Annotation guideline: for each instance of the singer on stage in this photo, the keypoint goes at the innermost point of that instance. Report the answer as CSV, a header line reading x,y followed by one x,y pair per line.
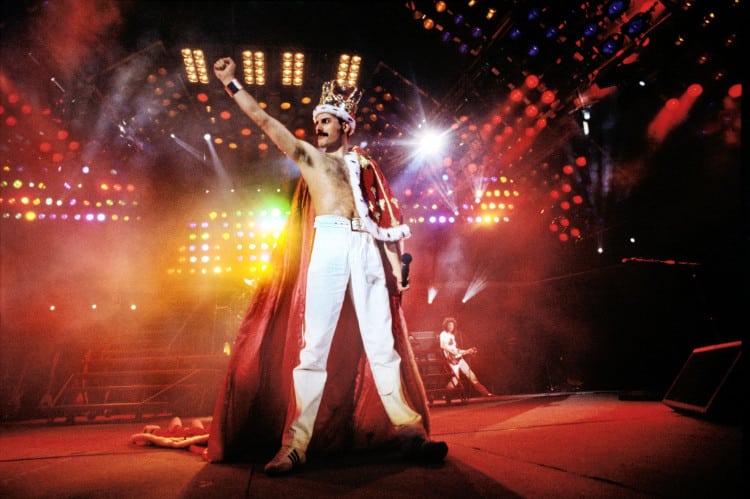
x,y
342,247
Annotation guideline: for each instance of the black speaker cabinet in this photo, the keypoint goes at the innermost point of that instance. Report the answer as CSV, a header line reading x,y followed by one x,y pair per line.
x,y
709,382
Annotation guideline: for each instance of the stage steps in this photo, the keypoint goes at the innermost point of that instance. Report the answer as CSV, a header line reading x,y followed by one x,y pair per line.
x,y
137,382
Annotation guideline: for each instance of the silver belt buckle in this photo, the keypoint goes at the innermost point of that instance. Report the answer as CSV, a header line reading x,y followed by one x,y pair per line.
x,y
357,225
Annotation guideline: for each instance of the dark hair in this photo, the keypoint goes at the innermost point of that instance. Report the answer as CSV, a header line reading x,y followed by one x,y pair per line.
x,y
449,319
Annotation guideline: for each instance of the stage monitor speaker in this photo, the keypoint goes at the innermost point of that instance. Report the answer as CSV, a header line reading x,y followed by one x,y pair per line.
x,y
709,382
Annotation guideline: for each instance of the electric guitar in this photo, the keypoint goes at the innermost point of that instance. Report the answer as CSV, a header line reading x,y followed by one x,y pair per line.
x,y
455,358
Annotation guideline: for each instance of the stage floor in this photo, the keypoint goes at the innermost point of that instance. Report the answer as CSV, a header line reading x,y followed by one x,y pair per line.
x,y
550,445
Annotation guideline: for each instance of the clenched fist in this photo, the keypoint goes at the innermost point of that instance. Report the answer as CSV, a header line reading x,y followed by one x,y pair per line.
x,y
224,69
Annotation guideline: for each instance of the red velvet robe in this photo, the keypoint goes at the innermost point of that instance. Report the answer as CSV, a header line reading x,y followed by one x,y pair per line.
x,y
257,397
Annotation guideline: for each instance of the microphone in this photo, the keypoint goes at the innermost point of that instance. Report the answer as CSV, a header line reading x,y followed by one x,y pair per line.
x,y
405,261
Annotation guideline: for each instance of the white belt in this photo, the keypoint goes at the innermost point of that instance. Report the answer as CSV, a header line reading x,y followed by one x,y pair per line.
x,y
354,224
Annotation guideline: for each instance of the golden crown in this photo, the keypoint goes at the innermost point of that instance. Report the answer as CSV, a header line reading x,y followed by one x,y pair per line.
x,y
345,99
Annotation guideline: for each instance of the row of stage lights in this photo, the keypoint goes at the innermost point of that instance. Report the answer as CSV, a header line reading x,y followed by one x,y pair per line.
x,y
228,242
492,207
596,27
31,200
49,188
455,27
255,68
536,27
225,243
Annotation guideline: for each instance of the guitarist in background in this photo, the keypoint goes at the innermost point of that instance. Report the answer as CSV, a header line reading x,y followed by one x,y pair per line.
x,y
455,357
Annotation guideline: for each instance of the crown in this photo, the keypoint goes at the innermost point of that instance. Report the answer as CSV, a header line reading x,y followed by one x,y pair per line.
x,y
339,101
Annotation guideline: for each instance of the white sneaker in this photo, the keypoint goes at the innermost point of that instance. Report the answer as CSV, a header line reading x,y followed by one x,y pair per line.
x,y
285,461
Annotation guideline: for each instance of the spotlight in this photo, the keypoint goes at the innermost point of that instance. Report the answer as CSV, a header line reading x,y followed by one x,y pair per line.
x,y
430,143
431,294
590,30
637,25
611,45
207,137
617,7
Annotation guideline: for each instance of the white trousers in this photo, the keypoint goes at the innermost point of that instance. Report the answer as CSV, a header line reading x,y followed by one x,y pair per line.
x,y
344,258
463,367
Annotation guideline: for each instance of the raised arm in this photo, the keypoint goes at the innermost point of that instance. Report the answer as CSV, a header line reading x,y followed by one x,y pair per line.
x,y
297,150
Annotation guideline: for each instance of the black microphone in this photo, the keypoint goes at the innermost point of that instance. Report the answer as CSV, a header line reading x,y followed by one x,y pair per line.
x,y
405,261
